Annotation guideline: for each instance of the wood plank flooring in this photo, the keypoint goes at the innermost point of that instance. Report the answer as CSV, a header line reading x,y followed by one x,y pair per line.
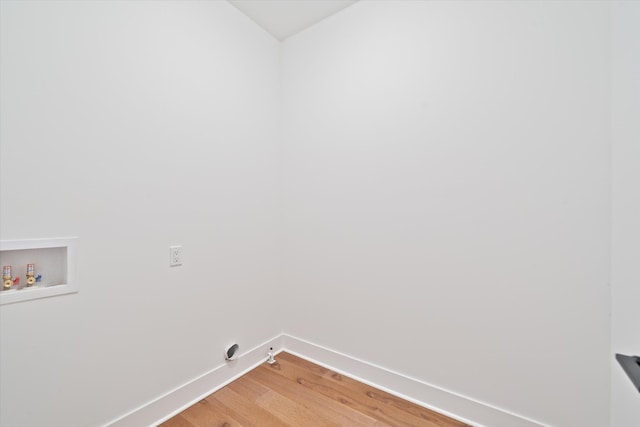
x,y
296,393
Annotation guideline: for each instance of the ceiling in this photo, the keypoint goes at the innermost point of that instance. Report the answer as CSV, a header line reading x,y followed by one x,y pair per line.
x,y
284,18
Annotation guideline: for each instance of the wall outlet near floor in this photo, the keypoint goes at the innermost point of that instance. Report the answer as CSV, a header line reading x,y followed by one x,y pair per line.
x,y
175,255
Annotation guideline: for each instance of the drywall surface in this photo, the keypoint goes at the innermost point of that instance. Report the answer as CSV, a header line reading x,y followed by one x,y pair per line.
x,y
447,187
135,126
625,337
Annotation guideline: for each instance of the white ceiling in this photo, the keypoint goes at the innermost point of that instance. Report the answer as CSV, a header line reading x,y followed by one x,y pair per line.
x,y
284,18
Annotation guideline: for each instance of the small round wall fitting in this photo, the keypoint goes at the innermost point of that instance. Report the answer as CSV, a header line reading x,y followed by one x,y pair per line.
x,y
232,352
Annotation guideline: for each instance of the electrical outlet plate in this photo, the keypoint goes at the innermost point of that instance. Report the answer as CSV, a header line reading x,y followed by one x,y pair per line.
x,y
175,255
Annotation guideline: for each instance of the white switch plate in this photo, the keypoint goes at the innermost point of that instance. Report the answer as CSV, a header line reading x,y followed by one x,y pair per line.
x,y
175,255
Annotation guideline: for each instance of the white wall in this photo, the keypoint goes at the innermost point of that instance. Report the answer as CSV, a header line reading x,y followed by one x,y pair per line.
x,y
447,187
625,338
136,125
446,176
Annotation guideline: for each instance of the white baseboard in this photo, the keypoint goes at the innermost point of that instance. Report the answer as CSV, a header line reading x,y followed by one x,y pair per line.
x,y
179,399
448,403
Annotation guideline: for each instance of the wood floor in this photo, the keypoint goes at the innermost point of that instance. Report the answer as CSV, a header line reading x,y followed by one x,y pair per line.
x,y
296,393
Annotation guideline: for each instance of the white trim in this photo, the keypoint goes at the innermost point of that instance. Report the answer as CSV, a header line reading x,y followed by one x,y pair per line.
x,y
57,242
26,294
451,404
182,397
